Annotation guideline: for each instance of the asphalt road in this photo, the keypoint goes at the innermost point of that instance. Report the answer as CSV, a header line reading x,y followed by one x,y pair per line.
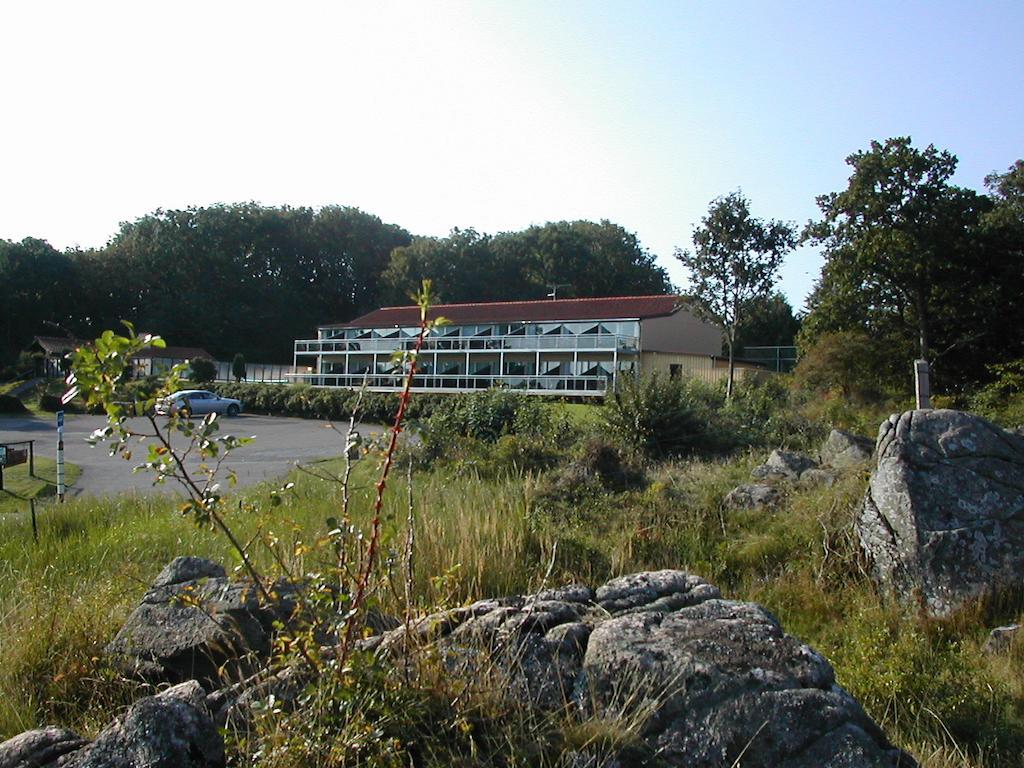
x,y
280,443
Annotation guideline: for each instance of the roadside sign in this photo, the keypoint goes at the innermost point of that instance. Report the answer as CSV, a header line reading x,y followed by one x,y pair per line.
x,y
60,419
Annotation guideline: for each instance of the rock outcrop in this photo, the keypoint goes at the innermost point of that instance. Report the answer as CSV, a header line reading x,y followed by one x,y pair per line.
x,y
195,623
943,519
697,680
702,679
170,730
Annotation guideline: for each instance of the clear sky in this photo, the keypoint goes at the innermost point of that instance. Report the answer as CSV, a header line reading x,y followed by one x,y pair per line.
x,y
492,115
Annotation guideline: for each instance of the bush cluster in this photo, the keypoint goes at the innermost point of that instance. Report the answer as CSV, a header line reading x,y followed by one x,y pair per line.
x,y
494,432
659,418
1002,400
308,402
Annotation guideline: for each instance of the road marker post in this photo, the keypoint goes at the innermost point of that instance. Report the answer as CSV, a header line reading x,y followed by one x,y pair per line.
x,y
60,456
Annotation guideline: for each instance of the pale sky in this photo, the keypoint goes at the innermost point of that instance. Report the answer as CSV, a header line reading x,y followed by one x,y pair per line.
x,y
492,115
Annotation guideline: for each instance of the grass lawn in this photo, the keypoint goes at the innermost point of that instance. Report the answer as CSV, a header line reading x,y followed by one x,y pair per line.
x,y
579,414
19,486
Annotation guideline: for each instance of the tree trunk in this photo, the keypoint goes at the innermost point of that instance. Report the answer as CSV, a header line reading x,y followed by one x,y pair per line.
x,y
730,339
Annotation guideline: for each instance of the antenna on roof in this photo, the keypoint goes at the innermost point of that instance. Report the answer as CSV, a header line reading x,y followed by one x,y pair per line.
x,y
554,289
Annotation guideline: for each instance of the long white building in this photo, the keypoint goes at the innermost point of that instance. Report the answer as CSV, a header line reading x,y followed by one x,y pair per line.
x,y
561,346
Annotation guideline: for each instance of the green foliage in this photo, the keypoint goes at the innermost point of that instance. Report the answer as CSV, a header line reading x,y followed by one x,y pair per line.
x,y
485,415
332,404
765,412
238,366
847,363
495,431
657,417
202,371
1002,400
587,258
735,261
767,321
920,265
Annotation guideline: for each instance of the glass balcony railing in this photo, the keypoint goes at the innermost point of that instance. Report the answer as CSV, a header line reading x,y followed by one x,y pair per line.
x,y
586,385
473,343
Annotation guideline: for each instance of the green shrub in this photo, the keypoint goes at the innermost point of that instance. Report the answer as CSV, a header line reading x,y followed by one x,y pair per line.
x,y
764,413
1002,400
658,417
50,403
848,363
202,370
486,416
11,404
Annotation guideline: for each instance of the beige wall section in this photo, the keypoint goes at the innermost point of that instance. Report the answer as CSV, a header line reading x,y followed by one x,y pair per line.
x,y
703,367
681,332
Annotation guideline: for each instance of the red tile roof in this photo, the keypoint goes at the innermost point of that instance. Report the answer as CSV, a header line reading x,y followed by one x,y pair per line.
x,y
610,308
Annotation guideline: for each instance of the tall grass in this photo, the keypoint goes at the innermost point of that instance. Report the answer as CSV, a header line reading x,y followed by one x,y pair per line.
x,y
929,684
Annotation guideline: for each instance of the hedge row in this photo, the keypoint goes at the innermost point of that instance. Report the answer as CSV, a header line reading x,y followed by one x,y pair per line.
x,y
331,404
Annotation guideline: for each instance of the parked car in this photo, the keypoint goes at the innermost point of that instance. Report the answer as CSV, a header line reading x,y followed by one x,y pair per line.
x,y
198,402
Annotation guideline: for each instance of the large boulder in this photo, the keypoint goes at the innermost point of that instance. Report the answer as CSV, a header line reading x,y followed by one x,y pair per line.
x,y
195,623
171,730
702,680
943,518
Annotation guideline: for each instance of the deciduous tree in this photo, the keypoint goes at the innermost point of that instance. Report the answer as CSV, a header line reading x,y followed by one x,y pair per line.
x,y
735,260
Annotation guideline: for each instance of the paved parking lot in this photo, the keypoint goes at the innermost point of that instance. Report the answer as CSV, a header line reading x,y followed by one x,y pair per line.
x,y
280,443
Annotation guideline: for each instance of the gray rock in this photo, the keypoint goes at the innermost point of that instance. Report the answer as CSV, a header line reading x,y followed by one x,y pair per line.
x,y
943,518
182,569
1001,638
695,677
843,450
171,730
783,465
572,593
752,496
710,681
194,623
817,478
654,591
39,748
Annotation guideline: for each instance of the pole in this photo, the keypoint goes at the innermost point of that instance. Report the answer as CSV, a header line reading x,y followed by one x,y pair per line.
x,y
60,456
35,531
922,385
31,458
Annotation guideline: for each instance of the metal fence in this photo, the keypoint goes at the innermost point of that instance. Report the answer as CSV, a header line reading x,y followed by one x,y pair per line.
x,y
259,373
778,359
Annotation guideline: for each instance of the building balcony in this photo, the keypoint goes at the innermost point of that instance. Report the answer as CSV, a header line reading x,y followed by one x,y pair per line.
x,y
538,343
587,386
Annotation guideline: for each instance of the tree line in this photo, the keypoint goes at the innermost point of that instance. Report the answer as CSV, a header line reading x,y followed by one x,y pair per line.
x,y
251,279
915,266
